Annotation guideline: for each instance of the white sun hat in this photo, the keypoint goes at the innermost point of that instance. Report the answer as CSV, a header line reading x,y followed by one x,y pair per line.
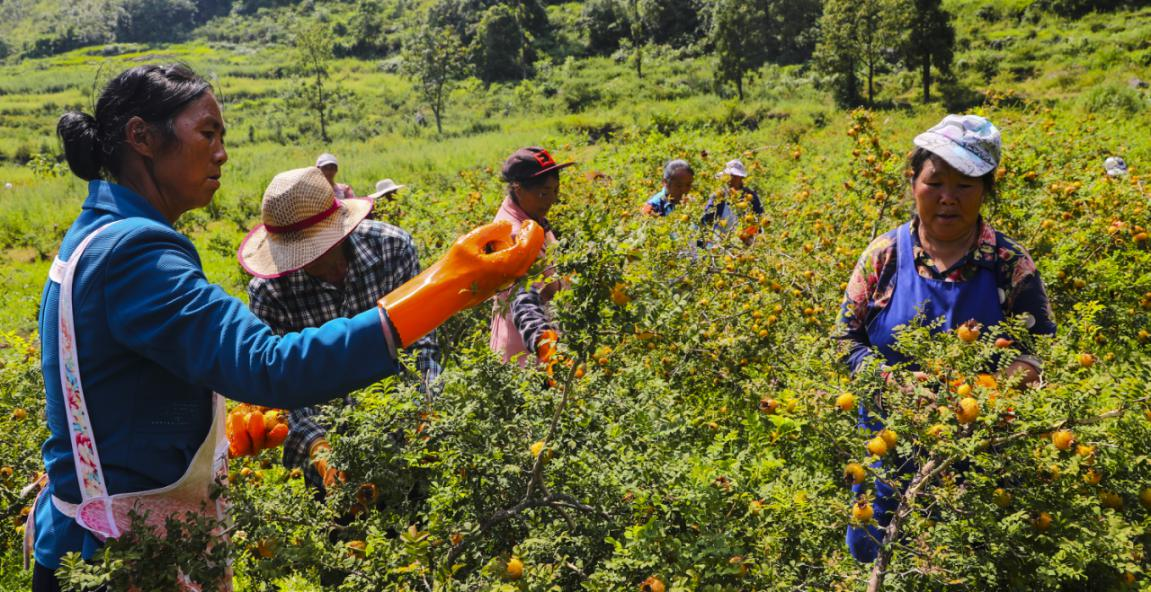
x,y
384,187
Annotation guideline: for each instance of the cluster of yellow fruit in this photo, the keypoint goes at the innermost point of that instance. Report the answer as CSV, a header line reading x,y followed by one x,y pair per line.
x,y
252,428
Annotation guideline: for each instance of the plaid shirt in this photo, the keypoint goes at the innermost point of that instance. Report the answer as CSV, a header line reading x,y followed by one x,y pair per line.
x,y
381,257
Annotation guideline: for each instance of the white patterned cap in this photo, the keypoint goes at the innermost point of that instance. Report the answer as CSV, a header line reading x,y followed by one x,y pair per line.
x,y
735,168
1115,166
969,143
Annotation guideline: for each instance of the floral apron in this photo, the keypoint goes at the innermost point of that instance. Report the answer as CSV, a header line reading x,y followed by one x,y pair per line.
x,y
107,516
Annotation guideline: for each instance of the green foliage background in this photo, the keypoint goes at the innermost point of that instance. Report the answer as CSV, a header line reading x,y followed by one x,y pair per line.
x,y
661,460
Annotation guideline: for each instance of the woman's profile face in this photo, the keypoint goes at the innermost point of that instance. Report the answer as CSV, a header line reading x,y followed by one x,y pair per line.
x,y
538,199
946,200
187,170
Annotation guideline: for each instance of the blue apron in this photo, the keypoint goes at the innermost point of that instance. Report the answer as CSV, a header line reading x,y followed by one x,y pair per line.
x,y
956,302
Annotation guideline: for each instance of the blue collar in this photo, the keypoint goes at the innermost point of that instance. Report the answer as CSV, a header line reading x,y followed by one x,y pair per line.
x,y
119,200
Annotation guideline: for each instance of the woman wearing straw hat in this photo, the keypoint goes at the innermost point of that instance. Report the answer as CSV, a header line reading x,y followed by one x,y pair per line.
x,y
135,339
948,263
309,270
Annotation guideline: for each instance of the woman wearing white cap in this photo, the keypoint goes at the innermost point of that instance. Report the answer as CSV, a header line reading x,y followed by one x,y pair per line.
x,y
719,213
947,262
327,162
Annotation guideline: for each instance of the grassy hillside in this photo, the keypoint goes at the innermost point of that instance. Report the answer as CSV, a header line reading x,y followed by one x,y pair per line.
x,y
701,426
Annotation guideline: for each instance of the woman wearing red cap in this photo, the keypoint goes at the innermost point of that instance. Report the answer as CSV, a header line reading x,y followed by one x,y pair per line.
x,y
525,325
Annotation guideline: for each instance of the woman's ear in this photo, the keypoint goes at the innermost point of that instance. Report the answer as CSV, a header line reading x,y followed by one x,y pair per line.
x,y
139,137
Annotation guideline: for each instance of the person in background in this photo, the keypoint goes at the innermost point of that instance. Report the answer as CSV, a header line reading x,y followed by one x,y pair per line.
x,y
521,322
719,213
308,271
327,162
135,340
386,188
677,180
1115,166
948,262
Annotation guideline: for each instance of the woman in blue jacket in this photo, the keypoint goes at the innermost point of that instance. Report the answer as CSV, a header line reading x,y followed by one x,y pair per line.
x,y
135,340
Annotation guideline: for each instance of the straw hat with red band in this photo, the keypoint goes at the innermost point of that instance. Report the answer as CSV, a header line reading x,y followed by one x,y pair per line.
x,y
302,220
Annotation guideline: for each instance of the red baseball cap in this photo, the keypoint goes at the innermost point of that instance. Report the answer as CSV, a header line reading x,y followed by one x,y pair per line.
x,y
528,163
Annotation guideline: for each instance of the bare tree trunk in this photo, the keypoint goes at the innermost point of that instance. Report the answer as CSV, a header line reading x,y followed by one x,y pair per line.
x,y
927,78
870,83
321,105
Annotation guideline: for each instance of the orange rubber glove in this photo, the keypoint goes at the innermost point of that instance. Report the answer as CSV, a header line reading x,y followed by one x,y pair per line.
x,y
478,265
328,473
546,347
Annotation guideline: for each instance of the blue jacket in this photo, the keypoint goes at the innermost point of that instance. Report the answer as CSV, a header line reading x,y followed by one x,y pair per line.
x,y
155,338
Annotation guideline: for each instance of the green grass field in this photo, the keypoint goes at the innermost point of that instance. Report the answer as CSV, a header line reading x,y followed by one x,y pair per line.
x,y
667,436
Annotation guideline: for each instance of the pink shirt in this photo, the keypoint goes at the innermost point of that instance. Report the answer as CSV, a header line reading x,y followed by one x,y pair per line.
x,y
506,339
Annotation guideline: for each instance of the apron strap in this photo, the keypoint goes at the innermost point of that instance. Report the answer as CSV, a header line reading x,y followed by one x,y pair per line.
x,y
85,458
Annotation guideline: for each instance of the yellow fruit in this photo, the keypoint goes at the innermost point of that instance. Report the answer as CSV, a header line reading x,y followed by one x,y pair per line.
x,y
846,401
1086,360
964,390
862,511
514,569
968,410
1001,497
968,333
1084,450
1063,439
889,438
877,446
937,431
619,294
1145,497
19,414
265,548
1110,499
653,584
1092,477
6,473
854,474
356,549
768,406
1041,521
537,448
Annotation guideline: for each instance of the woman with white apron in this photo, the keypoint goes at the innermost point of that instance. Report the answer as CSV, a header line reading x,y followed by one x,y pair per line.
x,y
135,341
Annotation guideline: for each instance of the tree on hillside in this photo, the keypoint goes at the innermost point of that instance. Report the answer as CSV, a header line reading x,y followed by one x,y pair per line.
x,y
606,23
435,58
930,41
138,18
313,54
502,48
367,29
669,22
737,33
859,38
790,29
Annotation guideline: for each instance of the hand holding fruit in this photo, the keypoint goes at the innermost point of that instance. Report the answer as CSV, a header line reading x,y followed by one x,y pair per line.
x,y
318,453
252,428
479,264
546,348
